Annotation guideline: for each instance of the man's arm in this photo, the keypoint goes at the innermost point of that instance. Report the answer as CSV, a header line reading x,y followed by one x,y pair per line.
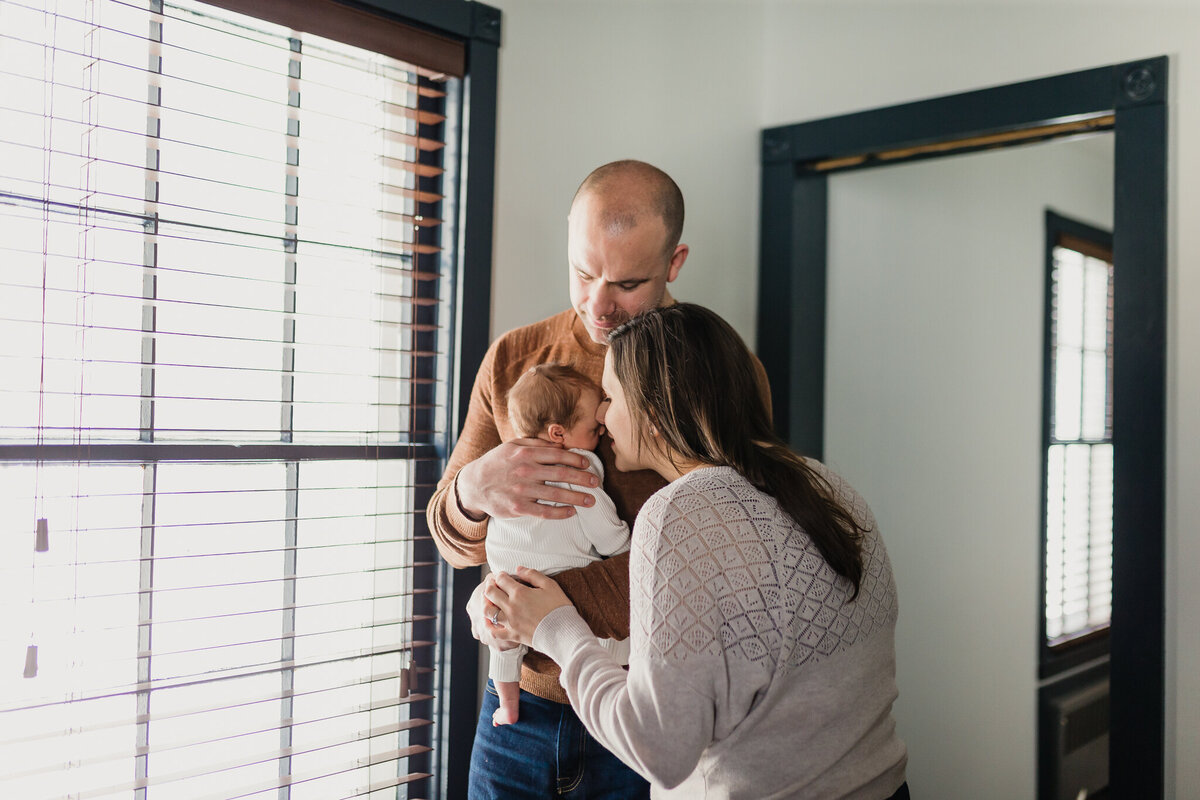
x,y
600,593
487,478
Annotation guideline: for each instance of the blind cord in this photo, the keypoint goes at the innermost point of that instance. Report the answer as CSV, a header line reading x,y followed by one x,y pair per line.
x,y
42,523
83,251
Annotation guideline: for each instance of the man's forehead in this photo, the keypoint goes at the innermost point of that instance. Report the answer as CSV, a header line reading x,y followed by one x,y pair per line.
x,y
616,259
615,219
617,210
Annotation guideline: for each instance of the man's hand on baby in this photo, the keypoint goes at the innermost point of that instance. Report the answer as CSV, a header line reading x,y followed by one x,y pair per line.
x,y
509,480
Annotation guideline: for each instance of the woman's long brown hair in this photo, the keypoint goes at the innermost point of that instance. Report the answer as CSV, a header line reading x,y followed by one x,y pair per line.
x,y
686,371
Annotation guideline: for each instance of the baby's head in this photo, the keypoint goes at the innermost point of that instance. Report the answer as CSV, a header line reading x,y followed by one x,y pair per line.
x,y
556,403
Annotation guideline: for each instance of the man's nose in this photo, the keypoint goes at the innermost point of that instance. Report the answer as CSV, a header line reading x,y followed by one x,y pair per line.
x,y
600,303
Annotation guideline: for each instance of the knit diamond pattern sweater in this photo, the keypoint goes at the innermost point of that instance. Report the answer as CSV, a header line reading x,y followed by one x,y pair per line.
x,y
752,672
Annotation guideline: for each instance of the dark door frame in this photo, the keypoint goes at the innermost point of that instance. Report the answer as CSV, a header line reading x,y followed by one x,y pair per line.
x,y
1131,100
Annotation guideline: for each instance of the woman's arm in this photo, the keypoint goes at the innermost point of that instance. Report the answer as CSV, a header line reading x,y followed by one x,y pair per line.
x,y
653,717
660,715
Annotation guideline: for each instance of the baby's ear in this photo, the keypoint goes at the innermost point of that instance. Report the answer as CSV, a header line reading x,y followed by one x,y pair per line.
x,y
556,432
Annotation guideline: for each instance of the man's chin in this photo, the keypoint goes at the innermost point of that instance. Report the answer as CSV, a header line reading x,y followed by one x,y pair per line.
x,y
599,335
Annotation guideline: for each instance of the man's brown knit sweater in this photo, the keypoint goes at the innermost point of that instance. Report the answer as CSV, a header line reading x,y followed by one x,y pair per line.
x,y
599,591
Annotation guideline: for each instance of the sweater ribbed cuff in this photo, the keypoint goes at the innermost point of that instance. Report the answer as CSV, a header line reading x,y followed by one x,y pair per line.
x,y
460,520
560,632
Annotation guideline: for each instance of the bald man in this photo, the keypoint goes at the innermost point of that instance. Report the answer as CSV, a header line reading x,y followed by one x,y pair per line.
x,y
623,249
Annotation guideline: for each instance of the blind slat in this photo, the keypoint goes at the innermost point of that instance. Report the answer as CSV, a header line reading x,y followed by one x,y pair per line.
x,y
391,223
251,789
376,301
247,670
274,373
388,271
188,234
86,632
242,584
382,730
32,724
292,780
100,495
421,327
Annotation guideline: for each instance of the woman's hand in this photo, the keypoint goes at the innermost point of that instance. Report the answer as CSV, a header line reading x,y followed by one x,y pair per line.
x,y
479,611
522,603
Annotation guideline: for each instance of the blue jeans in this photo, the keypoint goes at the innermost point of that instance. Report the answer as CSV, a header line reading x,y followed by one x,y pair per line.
x,y
547,753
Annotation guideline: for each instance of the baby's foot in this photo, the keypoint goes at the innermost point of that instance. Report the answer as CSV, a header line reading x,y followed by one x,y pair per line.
x,y
504,716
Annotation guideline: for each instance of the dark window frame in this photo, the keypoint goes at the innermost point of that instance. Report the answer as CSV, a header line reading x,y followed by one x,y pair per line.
x,y
791,324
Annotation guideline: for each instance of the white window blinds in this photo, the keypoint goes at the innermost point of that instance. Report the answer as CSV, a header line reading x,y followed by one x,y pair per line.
x,y
1079,458
223,341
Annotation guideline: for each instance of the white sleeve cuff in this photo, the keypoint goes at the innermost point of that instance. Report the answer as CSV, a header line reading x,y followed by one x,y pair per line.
x,y
560,633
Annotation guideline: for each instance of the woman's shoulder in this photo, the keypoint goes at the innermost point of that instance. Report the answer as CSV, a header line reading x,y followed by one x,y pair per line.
x,y
723,482
708,493
702,483
844,492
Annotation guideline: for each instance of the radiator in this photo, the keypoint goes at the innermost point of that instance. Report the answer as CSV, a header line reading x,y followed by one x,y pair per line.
x,y
1078,760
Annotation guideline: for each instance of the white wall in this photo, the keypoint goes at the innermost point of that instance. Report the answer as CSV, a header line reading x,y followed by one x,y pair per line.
x,y
582,84
689,86
933,412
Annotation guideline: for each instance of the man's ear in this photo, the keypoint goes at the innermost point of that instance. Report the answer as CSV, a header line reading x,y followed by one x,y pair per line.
x,y
556,432
677,258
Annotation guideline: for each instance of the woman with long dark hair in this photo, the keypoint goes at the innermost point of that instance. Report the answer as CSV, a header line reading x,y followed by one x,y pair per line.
x,y
763,607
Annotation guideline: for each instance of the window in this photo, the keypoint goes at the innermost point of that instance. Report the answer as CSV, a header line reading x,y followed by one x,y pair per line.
x,y
1079,441
228,336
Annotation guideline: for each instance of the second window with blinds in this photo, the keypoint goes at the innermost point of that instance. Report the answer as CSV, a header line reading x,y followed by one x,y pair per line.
x,y
1077,557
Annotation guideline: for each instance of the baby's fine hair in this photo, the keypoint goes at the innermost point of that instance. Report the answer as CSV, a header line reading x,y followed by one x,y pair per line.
x,y
545,395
